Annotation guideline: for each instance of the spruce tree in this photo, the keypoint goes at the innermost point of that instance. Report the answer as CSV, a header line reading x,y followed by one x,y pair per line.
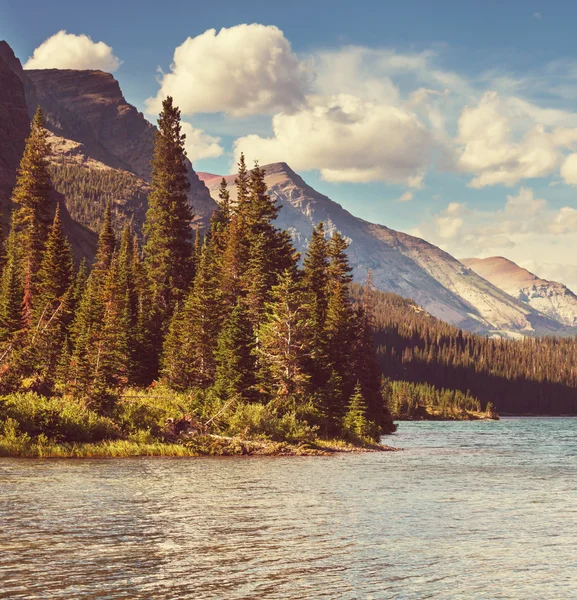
x,y
109,352
315,280
339,324
355,423
106,246
32,197
235,363
221,217
285,344
11,293
188,356
168,241
89,315
56,271
52,313
241,183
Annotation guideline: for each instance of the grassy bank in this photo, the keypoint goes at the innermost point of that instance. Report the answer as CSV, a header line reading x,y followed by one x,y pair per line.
x,y
200,447
158,422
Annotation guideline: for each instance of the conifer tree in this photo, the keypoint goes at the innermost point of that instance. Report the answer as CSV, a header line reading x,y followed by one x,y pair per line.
x,y
106,245
241,183
168,241
89,316
32,197
53,305
221,216
56,271
11,292
235,363
188,357
285,343
355,423
339,324
110,353
315,280
234,261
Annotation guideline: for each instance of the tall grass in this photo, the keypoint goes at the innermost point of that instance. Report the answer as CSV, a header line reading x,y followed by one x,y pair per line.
x,y
36,426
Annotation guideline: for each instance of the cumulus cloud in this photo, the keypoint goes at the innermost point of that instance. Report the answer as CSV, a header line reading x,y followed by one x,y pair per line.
x,y
199,144
69,51
347,139
569,169
506,140
241,70
526,229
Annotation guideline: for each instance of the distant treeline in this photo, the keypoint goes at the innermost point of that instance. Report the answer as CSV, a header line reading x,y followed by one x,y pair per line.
x,y
533,375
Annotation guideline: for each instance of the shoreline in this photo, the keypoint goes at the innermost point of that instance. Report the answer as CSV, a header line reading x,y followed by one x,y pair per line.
x,y
467,416
194,448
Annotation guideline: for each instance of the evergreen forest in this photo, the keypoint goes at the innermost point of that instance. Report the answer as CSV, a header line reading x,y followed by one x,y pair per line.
x,y
221,333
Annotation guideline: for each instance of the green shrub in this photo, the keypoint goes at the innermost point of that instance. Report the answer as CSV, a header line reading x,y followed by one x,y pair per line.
x,y
57,418
259,421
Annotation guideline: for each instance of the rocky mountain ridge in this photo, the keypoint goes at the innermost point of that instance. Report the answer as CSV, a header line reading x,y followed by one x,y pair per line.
x,y
400,263
548,297
88,108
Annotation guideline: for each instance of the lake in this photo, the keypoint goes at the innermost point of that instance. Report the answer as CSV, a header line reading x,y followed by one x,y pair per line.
x,y
467,510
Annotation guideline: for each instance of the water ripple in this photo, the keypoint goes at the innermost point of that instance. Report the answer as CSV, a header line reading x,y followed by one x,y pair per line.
x,y
468,510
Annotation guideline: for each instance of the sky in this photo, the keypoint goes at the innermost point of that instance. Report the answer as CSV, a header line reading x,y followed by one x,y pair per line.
x,y
455,120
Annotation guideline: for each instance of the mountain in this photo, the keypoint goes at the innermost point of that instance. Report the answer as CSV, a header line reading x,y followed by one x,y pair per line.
x,y
548,297
14,127
102,148
102,145
400,263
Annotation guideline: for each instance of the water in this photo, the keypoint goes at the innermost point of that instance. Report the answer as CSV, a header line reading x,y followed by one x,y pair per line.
x,y
468,510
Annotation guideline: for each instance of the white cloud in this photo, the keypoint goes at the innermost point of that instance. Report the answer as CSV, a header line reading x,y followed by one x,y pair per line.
x,y
505,140
491,150
569,169
361,114
199,144
406,197
69,51
242,70
347,139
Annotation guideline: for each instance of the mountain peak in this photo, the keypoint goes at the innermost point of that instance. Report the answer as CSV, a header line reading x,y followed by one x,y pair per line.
x,y
8,56
549,297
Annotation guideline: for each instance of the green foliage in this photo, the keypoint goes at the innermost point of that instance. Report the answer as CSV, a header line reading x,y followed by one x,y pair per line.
x,y
55,418
168,240
528,376
32,196
259,421
251,342
88,191
408,400
356,425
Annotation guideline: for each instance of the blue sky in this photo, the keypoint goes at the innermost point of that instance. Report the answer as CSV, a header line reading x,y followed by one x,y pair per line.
x,y
465,110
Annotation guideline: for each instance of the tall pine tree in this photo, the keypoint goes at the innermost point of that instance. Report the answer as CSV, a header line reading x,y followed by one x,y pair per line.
x,y
168,240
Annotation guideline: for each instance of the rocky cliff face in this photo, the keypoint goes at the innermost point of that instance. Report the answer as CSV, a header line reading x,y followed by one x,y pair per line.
x,y
551,298
88,108
14,127
400,263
